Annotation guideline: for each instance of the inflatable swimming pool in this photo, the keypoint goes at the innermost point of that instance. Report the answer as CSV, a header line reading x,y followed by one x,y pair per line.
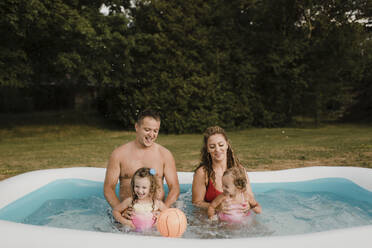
x,y
22,235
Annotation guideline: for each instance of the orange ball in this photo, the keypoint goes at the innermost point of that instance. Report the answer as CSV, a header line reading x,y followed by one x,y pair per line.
x,y
172,222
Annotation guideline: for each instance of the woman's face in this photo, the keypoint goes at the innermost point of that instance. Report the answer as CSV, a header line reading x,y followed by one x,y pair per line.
x,y
217,147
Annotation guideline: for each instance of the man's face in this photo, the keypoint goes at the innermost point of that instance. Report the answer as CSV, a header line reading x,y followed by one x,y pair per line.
x,y
147,131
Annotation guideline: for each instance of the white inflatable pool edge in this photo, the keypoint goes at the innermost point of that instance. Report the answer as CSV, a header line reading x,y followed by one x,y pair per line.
x,y
22,235
11,189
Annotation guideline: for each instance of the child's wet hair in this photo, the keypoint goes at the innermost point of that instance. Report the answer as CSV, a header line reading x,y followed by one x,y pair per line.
x,y
239,175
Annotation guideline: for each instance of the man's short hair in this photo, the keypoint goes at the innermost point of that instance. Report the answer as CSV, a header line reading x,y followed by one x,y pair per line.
x,y
148,113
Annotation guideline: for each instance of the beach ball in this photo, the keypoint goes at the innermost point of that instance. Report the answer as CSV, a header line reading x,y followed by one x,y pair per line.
x,y
172,222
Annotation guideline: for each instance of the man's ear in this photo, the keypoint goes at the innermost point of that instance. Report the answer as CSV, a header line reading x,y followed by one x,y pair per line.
x,y
136,126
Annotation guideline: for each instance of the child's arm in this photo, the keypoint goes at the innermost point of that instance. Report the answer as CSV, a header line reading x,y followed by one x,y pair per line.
x,y
248,203
118,209
214,205
253,204
161,205
256,207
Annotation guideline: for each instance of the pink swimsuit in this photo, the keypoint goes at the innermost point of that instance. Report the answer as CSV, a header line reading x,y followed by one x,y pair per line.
x,y
143,218
235,216
143,222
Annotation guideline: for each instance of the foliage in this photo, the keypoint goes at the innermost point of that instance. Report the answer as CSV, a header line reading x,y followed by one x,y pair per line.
x,y
236,63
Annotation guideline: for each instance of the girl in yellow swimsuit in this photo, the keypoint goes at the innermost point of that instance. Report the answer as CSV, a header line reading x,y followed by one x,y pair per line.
x,y
143,201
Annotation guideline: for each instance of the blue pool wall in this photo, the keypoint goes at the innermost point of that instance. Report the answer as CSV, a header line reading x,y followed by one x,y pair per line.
x,y
18,210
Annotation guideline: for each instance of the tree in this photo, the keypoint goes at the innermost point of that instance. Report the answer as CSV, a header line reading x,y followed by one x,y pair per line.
x,y
332,53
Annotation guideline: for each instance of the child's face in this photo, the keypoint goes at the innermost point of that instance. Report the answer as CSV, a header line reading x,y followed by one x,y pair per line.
x,y
228,186
142,187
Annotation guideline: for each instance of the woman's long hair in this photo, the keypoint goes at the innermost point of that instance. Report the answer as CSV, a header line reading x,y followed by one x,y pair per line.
x,y
205,157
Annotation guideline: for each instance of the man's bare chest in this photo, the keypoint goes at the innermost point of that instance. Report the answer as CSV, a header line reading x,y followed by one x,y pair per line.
x,y
130,164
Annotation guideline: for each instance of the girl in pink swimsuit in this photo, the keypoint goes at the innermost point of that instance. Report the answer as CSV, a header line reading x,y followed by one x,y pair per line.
x,y
234,196
143,201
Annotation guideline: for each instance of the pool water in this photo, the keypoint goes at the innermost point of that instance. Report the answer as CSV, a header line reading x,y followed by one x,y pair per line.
x,y
288,208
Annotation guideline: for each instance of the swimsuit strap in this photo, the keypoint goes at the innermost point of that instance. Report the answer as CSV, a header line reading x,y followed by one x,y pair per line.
x,y
211,192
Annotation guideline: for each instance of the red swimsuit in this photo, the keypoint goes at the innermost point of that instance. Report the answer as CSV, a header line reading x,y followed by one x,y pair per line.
x,y
211,193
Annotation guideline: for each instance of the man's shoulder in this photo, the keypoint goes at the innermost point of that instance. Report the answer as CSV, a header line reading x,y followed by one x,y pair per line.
x,y
128,201
163,151
123,148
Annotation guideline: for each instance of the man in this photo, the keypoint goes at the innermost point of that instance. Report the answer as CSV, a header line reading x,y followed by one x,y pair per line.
x,y
141,152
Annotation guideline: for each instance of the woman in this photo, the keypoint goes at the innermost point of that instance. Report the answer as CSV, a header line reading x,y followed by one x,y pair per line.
x,y
216,157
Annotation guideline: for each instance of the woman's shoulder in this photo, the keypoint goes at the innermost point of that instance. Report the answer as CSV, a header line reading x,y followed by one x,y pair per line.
x,y
201,175
200,170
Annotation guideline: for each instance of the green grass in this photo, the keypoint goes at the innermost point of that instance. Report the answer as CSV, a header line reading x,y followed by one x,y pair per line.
x,y
66,139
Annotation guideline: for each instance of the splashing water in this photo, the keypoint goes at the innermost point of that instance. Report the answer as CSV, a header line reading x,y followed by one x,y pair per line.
x,y
285,212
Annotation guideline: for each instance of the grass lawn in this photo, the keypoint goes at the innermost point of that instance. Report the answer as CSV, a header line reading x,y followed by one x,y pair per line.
x,y
65,139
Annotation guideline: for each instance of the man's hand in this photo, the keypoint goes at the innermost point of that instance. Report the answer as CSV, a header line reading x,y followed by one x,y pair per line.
x,y
128,213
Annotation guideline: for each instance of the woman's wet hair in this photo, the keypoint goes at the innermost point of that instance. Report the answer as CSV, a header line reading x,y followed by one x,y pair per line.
x,y
206,159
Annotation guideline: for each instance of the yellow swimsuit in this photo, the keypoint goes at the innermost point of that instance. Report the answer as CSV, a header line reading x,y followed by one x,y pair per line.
x,y
143,218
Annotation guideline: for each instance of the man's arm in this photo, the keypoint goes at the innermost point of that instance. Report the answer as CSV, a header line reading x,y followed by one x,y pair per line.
x,y
170,174
118,209
111,179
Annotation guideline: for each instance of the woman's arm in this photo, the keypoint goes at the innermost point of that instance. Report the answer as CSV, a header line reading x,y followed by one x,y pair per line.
x,y
214,205
199,189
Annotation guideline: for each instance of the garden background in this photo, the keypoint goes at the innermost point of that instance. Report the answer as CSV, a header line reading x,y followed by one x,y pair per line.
x,y
290,80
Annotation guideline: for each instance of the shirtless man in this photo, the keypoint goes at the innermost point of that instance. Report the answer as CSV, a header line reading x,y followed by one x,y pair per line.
x,y
141,152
